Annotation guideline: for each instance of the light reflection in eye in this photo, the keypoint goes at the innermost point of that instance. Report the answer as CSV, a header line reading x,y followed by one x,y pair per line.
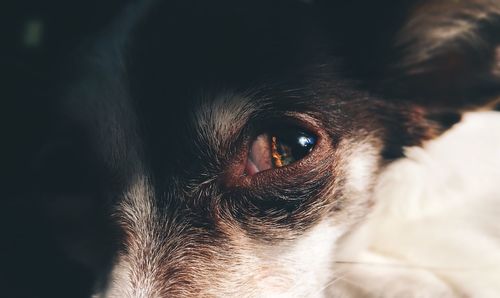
x,y
305,141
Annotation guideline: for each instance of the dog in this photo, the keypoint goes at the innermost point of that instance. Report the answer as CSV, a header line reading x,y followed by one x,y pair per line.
x,y
292,148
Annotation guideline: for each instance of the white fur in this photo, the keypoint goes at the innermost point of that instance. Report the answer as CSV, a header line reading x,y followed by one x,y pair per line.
x,y
308,263
435,229
299,268
361,167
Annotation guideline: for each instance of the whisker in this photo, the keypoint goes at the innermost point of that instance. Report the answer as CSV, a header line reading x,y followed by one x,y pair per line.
x,y
338,276
355,284
413,266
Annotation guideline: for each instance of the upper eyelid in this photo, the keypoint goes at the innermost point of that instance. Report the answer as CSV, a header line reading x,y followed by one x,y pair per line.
x,y
261,122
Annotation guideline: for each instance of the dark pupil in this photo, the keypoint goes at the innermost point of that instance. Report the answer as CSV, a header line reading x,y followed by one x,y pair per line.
x,y
288,147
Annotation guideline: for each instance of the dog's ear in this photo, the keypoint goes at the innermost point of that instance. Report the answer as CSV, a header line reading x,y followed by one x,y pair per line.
x,y
447,54
427,61
438,54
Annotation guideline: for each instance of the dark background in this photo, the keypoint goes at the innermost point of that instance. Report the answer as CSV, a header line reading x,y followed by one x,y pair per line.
x,y
37,37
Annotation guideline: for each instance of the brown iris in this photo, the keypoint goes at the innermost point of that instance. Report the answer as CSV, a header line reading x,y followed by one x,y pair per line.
x,y
277,149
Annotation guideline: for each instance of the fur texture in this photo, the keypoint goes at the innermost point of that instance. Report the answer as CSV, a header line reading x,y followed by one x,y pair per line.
x,y
433,232
386,204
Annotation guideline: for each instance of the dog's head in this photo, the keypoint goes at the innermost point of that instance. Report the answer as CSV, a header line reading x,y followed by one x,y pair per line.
x,y
240,144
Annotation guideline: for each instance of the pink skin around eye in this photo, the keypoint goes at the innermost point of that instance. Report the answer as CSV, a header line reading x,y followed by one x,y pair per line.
x,y
259,157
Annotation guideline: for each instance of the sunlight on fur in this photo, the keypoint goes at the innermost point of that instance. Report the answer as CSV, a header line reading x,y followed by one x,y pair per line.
x,y
434,230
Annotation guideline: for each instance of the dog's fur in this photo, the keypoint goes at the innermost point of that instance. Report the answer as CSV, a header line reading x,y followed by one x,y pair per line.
x,y
388,203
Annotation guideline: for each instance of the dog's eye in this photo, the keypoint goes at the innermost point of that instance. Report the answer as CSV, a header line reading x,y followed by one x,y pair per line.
x,y
278,148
